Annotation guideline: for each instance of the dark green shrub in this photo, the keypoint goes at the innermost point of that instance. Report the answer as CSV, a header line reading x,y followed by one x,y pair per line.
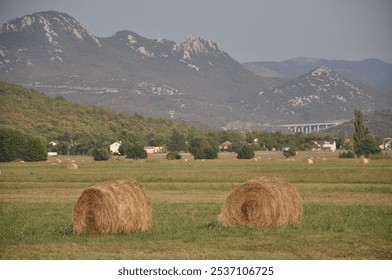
x,y
136,152
173,156
246,152
289,153
203,148
348,154
101,154
367,147
236,147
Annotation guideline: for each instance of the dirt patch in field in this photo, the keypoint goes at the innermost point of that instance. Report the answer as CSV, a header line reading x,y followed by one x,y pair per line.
x,y
346,194
347,198
187,196
311,193
40,195
232,248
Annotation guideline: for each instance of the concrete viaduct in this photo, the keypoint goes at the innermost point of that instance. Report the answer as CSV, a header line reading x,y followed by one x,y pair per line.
x,y
308,127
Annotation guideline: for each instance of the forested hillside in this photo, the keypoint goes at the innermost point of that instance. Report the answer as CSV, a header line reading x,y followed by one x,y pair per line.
x,y
78,126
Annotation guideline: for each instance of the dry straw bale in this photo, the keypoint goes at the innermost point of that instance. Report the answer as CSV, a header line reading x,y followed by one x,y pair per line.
x,y
121,206
72,166
263,202
363,160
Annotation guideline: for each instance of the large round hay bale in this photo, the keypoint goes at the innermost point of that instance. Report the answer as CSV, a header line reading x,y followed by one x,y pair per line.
x,y
263,202
121,206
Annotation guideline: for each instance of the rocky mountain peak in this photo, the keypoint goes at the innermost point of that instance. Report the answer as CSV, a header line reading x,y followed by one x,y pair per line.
x,y
321,71
52,24
321,94
195,45
371,72
327,75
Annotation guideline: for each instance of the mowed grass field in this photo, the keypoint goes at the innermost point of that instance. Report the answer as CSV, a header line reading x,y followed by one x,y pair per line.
x,y
347,209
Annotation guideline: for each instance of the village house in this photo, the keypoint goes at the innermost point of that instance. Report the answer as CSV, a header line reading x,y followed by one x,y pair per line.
x,y
386,145
328,146
225,145
114,148
153,149
53,143
324,146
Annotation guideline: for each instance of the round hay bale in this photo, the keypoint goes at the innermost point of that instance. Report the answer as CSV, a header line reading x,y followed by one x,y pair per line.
x,y
263,202
363,160
72,166
308,161
121,206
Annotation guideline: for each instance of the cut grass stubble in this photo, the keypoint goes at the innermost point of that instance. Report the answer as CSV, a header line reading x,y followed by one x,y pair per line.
x,y
346,232
347,210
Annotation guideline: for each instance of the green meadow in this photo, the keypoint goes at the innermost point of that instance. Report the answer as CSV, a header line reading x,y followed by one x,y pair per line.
x,y
347,209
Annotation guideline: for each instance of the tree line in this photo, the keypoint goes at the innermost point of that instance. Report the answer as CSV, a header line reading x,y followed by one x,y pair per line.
x,y
206,145
15,145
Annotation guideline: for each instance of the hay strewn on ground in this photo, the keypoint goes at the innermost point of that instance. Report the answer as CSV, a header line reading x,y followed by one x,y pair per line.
x,y
121,206
263,202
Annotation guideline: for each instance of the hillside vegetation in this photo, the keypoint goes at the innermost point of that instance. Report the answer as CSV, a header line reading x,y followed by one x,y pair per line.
x,y
79,129
378,123
31,112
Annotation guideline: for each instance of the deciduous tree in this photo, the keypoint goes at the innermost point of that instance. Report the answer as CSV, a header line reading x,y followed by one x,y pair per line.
x,y
177,142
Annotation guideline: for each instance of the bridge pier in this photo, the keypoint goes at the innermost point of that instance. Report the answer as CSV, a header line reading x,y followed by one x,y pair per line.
x,y
308,128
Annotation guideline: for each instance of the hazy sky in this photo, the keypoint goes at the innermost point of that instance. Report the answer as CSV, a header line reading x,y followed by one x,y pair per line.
x,y
249,30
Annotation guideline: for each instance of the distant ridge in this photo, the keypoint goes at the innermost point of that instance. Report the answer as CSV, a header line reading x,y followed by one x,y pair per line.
x,y
369,72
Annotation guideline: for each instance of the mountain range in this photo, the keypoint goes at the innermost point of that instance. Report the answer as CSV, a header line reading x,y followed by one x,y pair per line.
x,y
370,72
320,94
195,80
